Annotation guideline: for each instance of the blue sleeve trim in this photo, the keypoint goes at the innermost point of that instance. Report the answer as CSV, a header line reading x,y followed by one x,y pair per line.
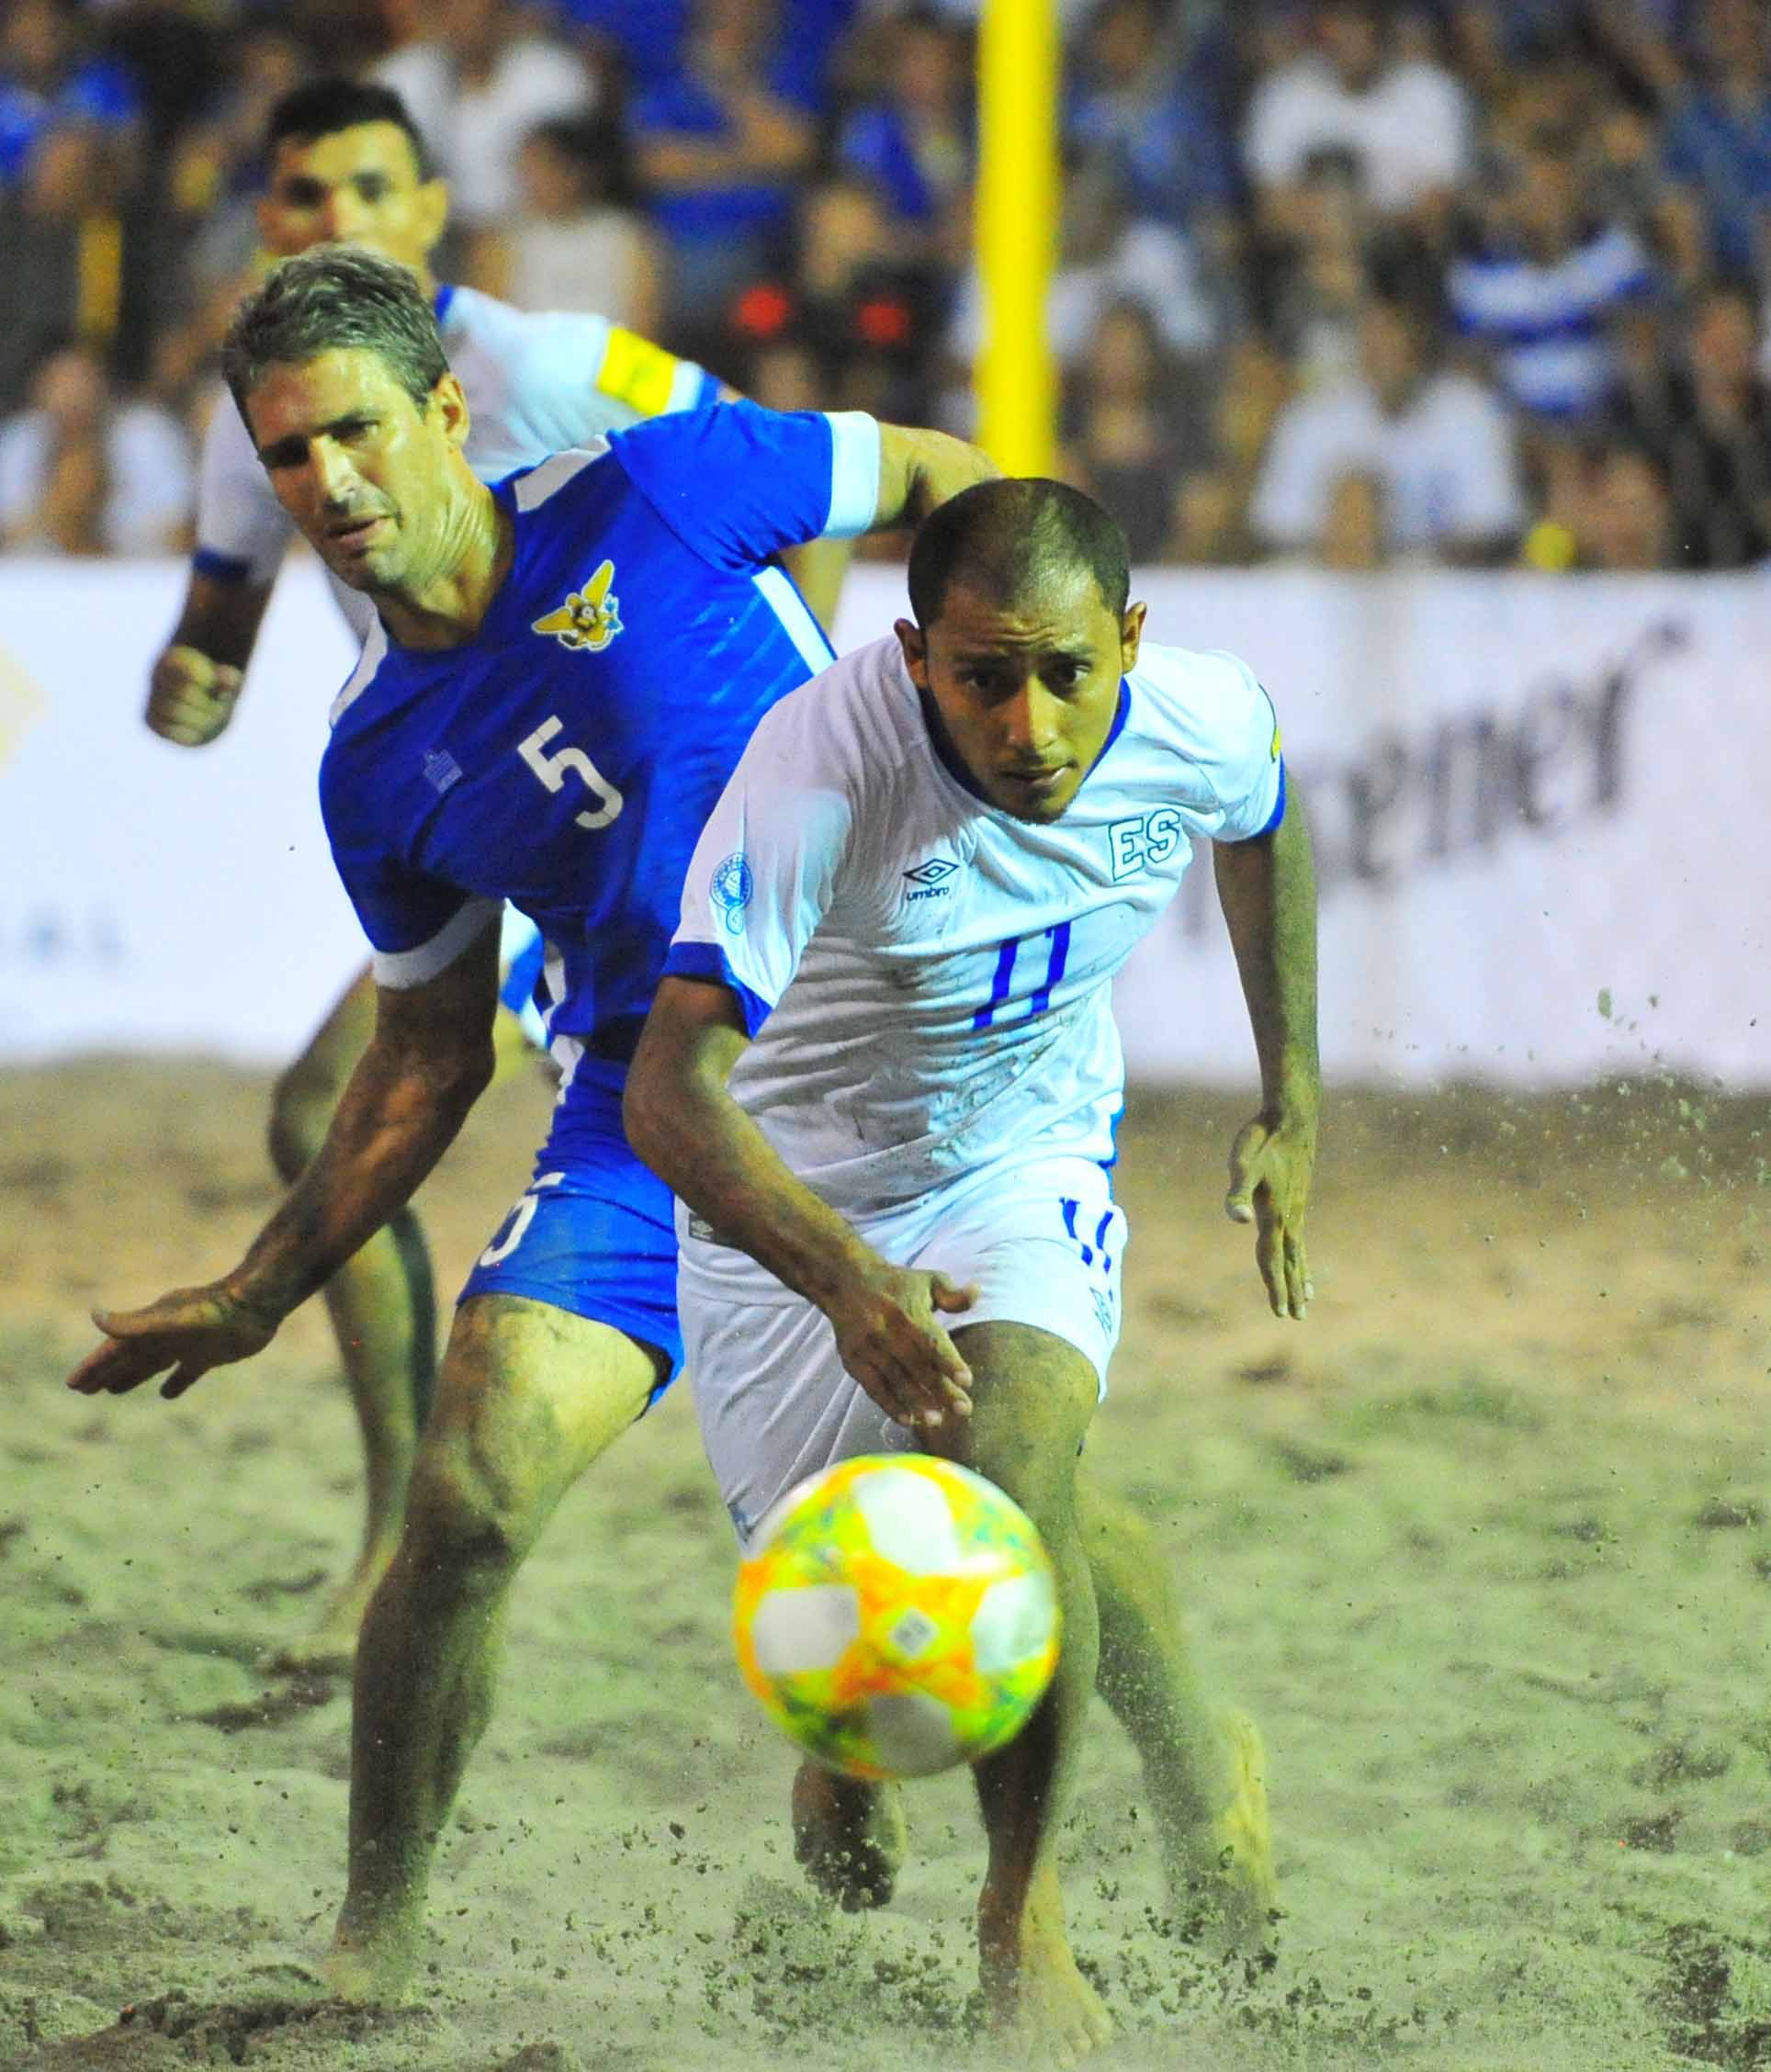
x,y
708,961
1278,813
220,568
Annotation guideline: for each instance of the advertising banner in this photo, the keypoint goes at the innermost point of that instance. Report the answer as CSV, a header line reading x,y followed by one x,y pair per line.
x,y
1538,808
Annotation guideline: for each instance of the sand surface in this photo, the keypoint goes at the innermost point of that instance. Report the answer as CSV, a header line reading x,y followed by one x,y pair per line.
x,y
1483,1544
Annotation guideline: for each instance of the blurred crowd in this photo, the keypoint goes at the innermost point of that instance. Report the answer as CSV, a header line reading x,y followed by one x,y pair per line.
x,y
1480,282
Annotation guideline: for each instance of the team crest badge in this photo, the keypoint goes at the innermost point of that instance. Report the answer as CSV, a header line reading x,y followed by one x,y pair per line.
x,y
589,618
733,886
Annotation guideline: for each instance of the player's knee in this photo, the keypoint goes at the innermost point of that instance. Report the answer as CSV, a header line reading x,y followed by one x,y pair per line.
x,y
462,1516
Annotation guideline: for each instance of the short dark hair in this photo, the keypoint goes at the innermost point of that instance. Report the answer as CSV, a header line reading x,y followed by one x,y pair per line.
x,y
322,107
335,297
1006,537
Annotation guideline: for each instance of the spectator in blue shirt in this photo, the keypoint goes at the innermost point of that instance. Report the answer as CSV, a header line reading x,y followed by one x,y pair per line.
x,y
1718,154
1541,284
915,143
1135,113
44,82
721,145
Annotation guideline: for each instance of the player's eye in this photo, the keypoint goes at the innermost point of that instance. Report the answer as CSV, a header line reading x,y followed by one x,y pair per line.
x,y
372,186
302,193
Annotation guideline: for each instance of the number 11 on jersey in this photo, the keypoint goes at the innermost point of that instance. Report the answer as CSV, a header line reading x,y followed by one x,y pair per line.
x,y
1005,973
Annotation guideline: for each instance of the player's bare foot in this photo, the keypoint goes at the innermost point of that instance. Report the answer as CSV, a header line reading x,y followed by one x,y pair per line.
x,y
329,1649
372,1967
848,1835
1037,2002
1222,1875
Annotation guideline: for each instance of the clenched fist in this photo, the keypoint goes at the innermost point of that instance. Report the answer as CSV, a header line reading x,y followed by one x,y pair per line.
x,y
191,696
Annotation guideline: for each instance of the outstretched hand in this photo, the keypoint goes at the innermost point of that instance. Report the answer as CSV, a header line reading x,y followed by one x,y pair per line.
x,y
1270,1165
190,1331
891,1340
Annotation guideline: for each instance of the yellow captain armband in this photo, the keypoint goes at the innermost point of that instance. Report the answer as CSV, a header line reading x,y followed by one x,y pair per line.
x,y
637,373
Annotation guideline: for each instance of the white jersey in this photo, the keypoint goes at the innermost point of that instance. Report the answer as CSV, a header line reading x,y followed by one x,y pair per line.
x,y
536,383
927,979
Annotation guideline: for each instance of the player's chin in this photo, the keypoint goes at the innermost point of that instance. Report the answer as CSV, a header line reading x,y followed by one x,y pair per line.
x,y
1037,799
355,571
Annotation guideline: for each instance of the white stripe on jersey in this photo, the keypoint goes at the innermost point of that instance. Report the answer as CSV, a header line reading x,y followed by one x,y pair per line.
x,y
534,489
374,646
796,616
399,969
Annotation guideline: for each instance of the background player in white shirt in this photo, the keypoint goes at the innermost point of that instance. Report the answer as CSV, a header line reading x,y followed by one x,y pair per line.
x,y
348,165
882,1076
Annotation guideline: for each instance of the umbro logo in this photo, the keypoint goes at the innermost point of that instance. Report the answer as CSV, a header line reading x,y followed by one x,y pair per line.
x,y
930,879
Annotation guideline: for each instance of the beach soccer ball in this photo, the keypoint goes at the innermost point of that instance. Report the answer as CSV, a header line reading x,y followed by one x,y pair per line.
x,y
896,1615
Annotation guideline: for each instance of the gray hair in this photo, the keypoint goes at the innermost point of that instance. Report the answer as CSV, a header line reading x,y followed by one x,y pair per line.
x,y
335,297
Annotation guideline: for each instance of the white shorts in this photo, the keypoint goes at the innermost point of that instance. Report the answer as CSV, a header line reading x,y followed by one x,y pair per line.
x,y
1043,1243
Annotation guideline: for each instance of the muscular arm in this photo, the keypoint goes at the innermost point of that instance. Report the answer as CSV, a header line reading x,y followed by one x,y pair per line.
x,y
1267,889
429,1059
197,678
683,1123
918,469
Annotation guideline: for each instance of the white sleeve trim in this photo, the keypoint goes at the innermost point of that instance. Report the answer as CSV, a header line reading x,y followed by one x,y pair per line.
x,y
400,969
854,473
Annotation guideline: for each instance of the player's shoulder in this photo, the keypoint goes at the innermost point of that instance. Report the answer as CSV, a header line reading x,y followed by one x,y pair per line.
x,y
1198,702
536,352
470,314
552,487
854,721
1177,678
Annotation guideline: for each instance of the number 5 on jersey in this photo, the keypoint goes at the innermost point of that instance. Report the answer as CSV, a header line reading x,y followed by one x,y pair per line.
x,y
553,770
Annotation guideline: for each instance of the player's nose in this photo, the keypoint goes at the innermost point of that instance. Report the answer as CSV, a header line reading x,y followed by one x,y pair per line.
x,y
1029,720
342,217
332,473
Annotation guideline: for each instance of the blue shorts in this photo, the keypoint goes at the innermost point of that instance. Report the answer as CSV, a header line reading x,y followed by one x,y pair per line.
x,y
596,1232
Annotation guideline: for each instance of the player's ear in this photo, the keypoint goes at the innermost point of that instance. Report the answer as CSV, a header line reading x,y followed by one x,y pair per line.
x,y
915,645
1131,634
451,407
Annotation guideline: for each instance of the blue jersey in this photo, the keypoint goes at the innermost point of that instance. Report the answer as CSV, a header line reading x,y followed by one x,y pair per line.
x,y
566,757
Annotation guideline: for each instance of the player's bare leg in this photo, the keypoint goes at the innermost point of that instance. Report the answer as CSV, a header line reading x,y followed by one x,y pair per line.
x,y
1033,1398
528,1396
383,1304
849,1836
1204,1772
